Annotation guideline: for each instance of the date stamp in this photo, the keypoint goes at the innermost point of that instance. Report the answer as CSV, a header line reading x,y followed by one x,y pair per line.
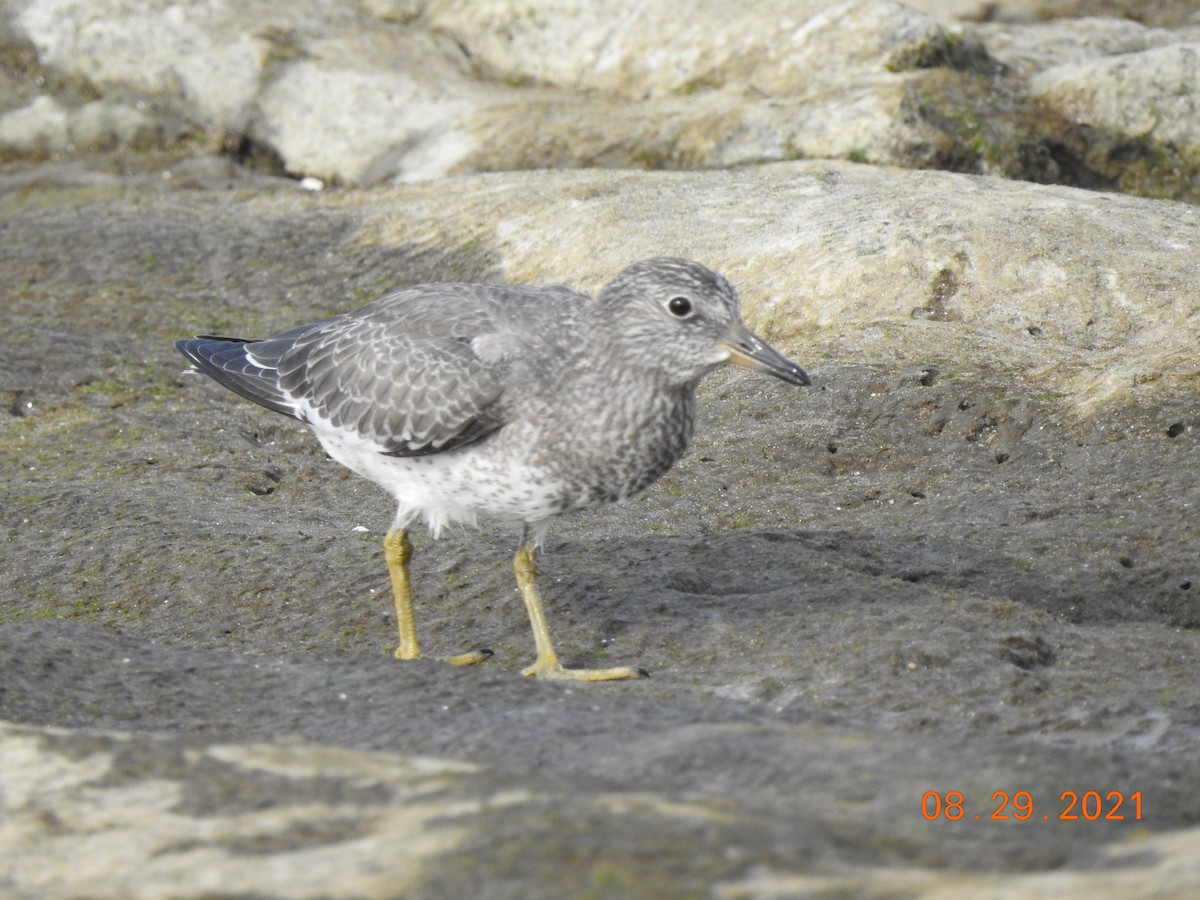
x,y
1072,806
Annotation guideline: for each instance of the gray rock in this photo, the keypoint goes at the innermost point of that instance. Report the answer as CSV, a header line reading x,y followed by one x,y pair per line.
x,y
107,814
964,560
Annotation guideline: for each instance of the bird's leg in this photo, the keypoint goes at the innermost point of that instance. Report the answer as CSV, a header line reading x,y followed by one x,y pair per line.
x,y
397,549
547,665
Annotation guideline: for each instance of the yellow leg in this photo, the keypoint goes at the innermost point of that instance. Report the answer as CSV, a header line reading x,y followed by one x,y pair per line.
x,y
547,665
397,549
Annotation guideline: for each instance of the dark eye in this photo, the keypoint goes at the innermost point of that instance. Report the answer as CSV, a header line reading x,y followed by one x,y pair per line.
x,y
680,306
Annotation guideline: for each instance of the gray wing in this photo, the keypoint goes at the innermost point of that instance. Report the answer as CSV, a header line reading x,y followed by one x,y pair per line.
x,y
419,371
245,366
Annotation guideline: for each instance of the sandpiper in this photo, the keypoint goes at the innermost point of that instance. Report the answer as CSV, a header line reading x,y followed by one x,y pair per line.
x,y
510,402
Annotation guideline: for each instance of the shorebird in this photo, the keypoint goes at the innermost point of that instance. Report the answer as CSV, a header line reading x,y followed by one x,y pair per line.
x,y
510,402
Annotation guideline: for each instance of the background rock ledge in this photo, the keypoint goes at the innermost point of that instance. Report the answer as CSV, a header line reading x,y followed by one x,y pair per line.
x,y
374,92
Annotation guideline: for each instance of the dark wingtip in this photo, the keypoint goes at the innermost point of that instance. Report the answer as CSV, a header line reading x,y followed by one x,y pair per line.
x,y
191,347
223,360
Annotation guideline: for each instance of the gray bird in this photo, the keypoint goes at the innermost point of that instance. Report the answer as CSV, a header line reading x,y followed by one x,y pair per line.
x,y
514,402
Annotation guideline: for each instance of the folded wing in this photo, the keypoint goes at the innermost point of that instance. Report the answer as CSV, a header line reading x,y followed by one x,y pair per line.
x,y
401,373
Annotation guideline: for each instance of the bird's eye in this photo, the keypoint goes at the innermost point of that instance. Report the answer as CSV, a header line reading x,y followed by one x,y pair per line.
x,y
680,307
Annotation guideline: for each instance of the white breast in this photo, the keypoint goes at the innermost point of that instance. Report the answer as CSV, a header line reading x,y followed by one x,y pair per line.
x,y
452,487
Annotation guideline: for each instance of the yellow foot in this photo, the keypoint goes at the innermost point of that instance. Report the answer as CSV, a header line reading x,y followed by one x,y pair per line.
x,y
555,672
470,658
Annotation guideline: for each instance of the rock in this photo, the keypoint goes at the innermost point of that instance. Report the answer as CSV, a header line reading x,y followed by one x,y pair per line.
x,y
40,126
46,127
961,284
368,108
1035,47
398,92
1149,94
1145,104
1163,14
207,59
964,560
401,94
641,51
109,814
727,92
145,817
402,11
973,10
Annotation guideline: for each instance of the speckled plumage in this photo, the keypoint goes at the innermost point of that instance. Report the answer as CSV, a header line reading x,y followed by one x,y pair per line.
x,y
507,401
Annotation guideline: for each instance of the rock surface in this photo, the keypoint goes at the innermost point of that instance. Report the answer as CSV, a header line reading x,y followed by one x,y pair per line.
x,y
126,815
964,560
384,92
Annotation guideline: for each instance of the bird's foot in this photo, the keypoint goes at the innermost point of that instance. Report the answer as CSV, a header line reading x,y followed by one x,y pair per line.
x,y
470,658
553,671
407,650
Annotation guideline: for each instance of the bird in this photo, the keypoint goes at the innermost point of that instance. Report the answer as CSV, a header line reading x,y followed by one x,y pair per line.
x,y
510,402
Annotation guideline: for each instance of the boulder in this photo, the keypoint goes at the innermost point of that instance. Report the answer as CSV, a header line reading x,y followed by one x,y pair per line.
x,y
406,92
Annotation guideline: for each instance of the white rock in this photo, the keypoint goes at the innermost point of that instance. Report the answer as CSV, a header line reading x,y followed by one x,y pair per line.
x,y
393,10
47,126
40,126
104,124
676,85
1030,49
1152,94
362,109
976,10
204,55
400,91
638,50
1093,296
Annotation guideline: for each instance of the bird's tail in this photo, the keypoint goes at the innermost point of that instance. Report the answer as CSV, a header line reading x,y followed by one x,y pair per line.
x,y
233,363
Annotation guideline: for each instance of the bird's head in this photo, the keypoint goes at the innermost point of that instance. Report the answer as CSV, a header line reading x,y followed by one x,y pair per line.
x,y
682,318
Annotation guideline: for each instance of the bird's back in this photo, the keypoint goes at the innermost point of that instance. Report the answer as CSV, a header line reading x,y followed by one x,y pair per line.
x,y
419,371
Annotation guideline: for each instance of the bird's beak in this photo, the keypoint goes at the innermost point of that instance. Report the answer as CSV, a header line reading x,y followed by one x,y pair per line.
x,y
747,349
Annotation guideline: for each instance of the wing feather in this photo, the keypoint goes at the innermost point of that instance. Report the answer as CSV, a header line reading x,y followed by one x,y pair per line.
x,y
418,371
